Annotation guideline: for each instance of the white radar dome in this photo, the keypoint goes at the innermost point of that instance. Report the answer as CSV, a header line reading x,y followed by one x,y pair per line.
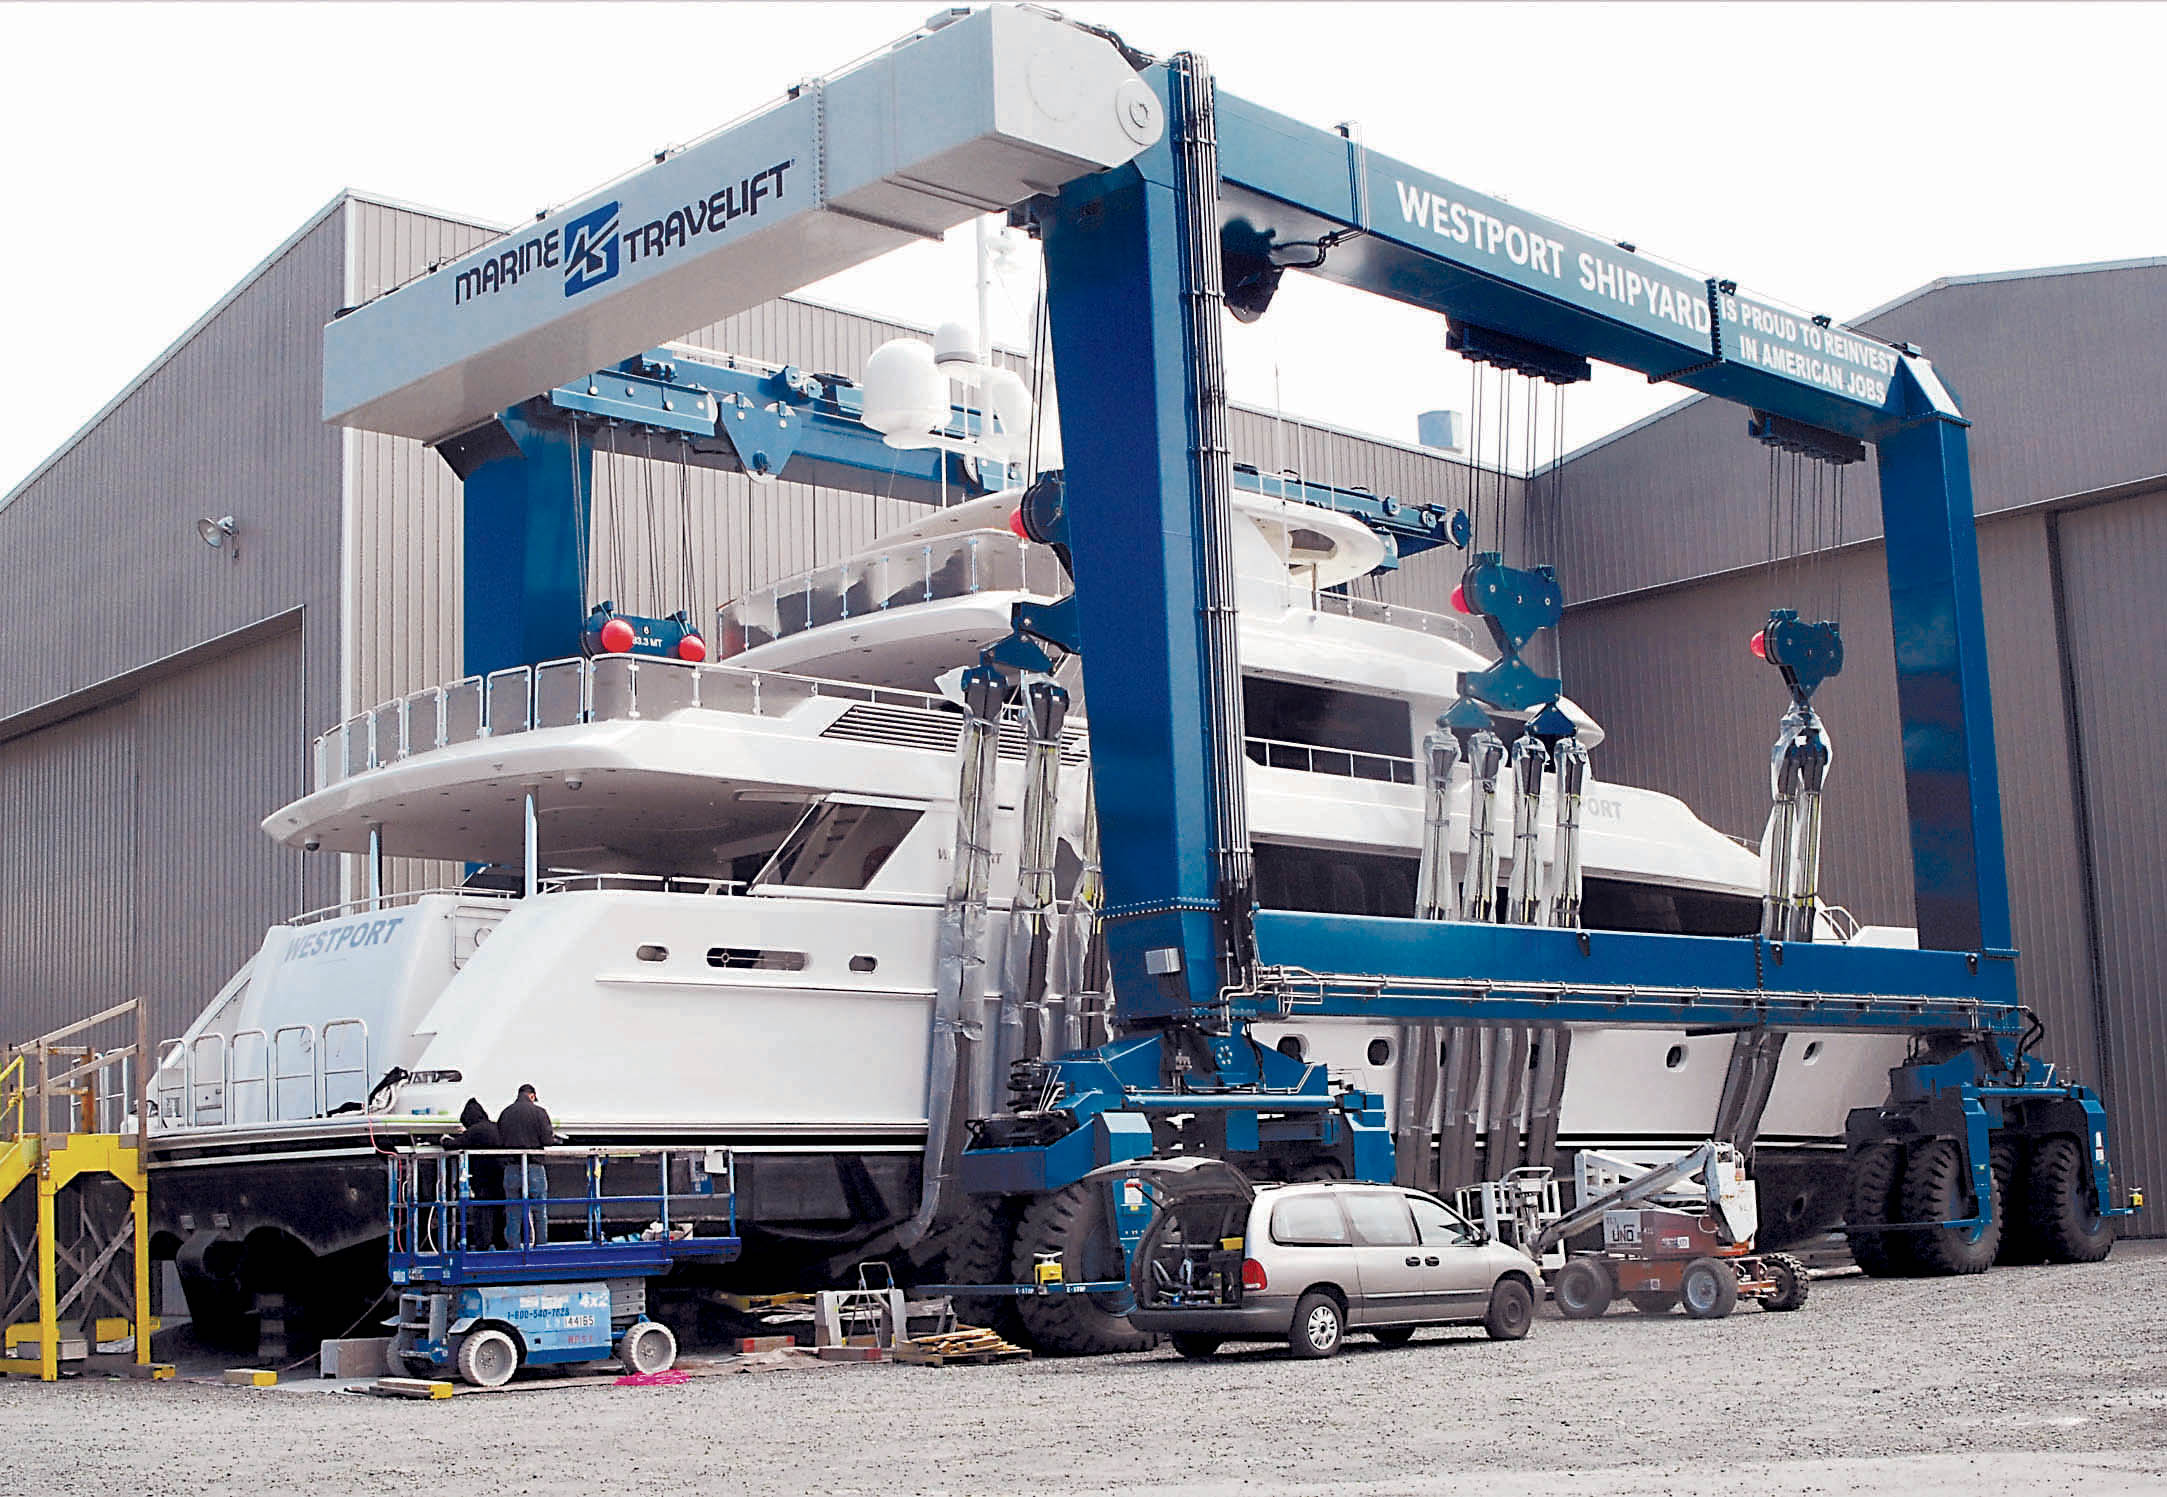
x,y
906,395
953,343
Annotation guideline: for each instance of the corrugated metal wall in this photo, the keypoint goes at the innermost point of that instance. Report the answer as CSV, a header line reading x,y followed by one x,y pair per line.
x,y
67,906
137,748
2111,558
217,748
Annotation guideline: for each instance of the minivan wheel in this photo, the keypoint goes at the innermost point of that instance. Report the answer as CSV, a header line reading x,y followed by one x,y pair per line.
x,y
1393,1335
1194,1346
1319,1326
1512,1310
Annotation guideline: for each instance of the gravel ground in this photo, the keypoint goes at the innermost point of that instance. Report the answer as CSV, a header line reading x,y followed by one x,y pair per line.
x,y
2043,1380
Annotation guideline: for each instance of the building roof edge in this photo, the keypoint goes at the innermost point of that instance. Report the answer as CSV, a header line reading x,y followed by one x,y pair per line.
x,y
165,356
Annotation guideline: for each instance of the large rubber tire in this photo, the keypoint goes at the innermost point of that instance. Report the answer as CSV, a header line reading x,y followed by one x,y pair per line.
x,y
978,1251
2012,1175
1652,1301
1512,1310
1393,1335
487,1357
2058,1205
1072,1223
1320,1327
647,1348
1792,1284
1937,1188
1877,1176
1194,1345
1582,1289
1708,1289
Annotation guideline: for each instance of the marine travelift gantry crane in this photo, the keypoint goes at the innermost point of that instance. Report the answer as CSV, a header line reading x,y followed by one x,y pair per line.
x,y
1161,202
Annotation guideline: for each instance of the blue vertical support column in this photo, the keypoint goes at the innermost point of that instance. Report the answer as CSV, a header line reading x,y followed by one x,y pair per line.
x,y
1136,497
527,489
1951,785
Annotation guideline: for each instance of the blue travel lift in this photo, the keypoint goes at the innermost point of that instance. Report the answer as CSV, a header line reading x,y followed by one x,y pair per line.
x,y
1204,209
485,1311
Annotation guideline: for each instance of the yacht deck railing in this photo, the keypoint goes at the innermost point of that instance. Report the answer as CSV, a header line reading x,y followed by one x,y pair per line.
x,y
566,693
290,1074
928,571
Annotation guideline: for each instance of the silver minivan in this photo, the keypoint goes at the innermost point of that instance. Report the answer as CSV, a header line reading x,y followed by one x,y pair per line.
x,y
1228,1260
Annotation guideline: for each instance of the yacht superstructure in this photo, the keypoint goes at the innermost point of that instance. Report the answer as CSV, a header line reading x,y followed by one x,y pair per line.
x,y
730,932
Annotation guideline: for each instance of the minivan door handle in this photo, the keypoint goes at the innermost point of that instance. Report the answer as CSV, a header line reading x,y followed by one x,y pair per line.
x,y
1432,1262
1414,1262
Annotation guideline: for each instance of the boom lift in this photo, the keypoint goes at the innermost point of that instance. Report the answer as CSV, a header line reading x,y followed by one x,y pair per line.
x,y
1161,202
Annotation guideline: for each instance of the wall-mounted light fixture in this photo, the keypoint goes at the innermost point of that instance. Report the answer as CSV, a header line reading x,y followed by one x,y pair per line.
x,y
221,533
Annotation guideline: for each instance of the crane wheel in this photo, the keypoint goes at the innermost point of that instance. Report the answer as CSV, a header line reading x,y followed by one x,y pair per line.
x,y
1792,1283
1582,1289
1652,1301
1708,1289
1072,1224
1876,1182
1937,1188
2064,1219
2012,1177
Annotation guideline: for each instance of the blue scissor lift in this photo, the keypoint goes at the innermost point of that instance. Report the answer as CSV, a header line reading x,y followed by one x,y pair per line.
x,y
468,1304
1198,204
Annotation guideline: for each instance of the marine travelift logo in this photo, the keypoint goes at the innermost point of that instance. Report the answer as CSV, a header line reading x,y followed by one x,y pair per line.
x,y
593,247
590,249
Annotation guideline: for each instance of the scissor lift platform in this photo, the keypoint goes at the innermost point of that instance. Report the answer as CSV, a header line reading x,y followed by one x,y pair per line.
x,y
486,1311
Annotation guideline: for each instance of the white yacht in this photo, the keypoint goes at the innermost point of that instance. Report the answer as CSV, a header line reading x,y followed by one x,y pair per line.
x,y
731,937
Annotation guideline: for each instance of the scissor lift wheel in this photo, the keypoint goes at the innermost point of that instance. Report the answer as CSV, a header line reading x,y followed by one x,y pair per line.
x,y
647,1347
488,1357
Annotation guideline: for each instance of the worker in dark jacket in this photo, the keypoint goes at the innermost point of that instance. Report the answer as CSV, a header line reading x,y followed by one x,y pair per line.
x,y
525,1125
485,1174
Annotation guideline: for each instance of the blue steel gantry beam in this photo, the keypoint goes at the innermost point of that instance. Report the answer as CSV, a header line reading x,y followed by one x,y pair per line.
x,y
1293,197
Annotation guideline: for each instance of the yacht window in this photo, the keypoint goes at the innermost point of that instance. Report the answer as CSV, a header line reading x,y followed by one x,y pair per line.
x,y
1619,904
754,959
1335,881
1296,712
839,845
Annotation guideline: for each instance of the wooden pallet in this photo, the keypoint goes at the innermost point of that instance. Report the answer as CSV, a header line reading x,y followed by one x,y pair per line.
x,y
965,1345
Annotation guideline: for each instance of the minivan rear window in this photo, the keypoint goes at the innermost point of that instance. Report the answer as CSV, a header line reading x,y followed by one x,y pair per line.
x,y
1308,1221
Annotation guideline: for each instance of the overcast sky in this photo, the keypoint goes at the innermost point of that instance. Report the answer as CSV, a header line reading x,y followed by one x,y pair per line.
x,y
1831,156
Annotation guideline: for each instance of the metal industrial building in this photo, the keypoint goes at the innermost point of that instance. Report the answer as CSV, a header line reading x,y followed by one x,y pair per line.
x,y
162,697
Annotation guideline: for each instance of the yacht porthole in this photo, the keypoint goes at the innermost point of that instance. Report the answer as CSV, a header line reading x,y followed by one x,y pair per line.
x,y
652,953
869,964
1813,1052
1380,1051
1675,1060
1293,1046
